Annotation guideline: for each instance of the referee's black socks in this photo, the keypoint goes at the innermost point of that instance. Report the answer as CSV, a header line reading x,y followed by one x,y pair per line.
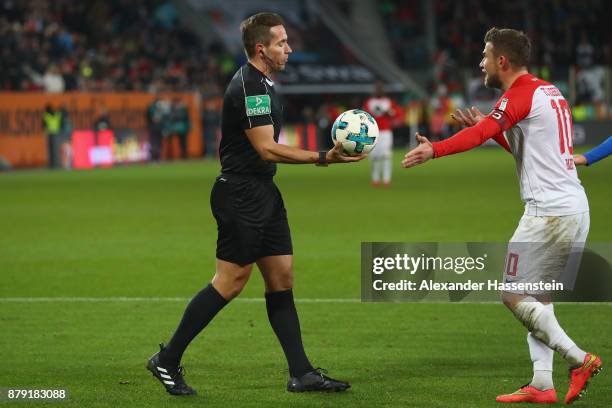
x,y
199,312
284,320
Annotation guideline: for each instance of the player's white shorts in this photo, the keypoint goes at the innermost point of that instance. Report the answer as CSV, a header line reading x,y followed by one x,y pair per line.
x,y
384,145
544,249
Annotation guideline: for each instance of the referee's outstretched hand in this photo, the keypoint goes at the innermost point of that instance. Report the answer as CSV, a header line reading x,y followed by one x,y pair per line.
x,y
337,155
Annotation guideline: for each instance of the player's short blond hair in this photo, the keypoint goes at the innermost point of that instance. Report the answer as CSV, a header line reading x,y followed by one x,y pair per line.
x,y
513,44
256,30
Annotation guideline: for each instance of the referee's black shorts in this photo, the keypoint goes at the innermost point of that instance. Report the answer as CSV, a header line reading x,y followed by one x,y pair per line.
x,y
251,219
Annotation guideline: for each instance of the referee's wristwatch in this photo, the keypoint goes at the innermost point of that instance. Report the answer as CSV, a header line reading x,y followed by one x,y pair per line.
x,y
322,162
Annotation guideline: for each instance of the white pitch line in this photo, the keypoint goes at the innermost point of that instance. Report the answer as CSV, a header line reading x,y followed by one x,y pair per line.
x,y
243,300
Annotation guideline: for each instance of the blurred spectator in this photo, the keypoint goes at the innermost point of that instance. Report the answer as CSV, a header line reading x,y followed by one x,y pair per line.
x,y
179,124
102,122
591,85
441,108
324,121
211,117
166,15
51,82
585,52
4,164
52,123
156,125
65,137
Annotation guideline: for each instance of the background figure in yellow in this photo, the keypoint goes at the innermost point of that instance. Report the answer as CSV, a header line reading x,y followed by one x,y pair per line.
x,y
52,123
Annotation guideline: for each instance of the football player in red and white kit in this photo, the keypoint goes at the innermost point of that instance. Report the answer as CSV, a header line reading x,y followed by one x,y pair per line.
x,y
533,122
384,110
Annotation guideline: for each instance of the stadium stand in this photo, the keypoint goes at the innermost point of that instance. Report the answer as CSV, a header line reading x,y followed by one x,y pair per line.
x,y
60,46
116,45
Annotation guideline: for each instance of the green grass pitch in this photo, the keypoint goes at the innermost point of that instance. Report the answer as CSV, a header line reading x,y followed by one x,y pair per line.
x,y
146,232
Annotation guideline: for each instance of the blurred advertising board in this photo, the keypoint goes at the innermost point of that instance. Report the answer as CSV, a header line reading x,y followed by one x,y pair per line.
x,y
107,148
22,136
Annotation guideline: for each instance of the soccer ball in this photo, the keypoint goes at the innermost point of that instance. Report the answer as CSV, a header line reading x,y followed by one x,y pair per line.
x,y
356,130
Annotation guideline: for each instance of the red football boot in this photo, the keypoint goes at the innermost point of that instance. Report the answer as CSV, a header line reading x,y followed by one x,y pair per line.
x,y
529,394
579,377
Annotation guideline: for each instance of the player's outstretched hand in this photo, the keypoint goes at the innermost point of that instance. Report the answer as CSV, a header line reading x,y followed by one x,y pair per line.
x,y
580,160
468,118
420,154
336,155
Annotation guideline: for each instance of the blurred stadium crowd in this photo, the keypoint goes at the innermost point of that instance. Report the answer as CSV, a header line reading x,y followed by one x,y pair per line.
x,y
564,33
570,40
58,46
115,45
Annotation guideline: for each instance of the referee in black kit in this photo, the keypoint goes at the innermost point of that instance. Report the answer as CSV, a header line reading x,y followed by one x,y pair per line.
x,y
251,217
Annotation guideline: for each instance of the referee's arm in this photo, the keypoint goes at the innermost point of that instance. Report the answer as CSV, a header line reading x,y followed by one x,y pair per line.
x,y
262,139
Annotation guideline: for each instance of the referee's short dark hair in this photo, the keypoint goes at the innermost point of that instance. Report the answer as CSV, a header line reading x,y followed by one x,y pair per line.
x,y
256,29
513,44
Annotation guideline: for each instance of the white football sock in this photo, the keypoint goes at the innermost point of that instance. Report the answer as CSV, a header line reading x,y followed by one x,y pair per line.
x,y
542,358
540,320
376,170
387,170
575,356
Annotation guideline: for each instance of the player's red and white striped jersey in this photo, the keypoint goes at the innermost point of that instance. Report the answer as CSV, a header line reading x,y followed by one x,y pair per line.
x,y
537,124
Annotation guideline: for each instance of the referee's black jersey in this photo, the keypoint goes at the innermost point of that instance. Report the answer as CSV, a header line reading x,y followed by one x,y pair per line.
x,y
250,101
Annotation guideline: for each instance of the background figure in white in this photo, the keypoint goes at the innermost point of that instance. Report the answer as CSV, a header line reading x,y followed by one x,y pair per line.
x,y
385,110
